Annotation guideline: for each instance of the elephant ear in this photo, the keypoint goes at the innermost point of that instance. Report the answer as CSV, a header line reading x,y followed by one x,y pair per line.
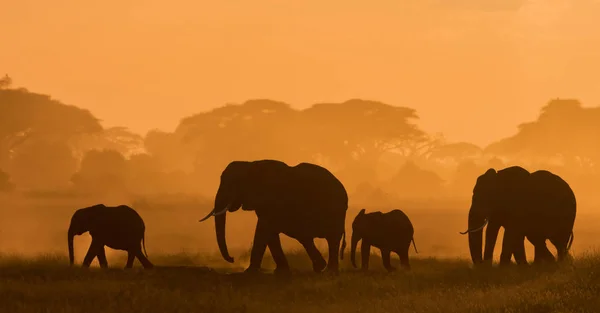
x,y
485,181
490,172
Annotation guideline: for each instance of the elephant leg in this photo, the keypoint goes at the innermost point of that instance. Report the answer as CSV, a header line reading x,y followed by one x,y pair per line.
x,y
91,253
542,254
281,262
386,258
130,259
403,255
315,256
491,235
102,258
509,242
519,250
333,242
561,243
259,246
365,253
143,259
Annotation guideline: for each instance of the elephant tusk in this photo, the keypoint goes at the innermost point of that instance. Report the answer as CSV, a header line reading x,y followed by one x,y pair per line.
x,y
209,215
223,211
474,230
213,213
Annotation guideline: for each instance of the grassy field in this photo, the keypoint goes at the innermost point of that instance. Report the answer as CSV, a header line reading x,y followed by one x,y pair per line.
x,y
191,277
182,284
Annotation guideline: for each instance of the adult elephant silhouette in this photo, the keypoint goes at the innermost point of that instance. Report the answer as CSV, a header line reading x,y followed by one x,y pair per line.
x,y
537,206
304,202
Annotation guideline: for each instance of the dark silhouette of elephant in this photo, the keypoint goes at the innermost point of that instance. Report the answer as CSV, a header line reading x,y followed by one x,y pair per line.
x,y
390,232
304,202
119,227
537,206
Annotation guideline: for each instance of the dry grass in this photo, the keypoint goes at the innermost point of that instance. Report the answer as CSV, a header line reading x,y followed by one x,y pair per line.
x,y
182,284
191,277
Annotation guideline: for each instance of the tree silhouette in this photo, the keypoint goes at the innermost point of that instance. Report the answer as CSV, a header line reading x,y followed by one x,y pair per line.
x,y
255,129
42,165
456,152
29,117
361,130
5,182
564,131
101,171
413,181
117,138
5,82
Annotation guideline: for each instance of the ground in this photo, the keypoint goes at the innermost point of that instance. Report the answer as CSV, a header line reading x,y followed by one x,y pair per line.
x,y
47,284
192,277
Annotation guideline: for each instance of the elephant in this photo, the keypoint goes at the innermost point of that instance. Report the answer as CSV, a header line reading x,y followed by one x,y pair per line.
x,y
390,232
118,227
304,202
538,206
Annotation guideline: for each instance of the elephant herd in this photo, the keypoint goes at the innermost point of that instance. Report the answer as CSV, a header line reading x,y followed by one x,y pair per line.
x,y
307,201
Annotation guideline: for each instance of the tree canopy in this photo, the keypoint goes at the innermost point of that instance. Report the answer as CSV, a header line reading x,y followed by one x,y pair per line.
x,y
361,129
28,116
564,129
47,144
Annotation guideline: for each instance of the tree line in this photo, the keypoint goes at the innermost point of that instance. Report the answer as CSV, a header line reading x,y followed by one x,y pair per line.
x,y
376,149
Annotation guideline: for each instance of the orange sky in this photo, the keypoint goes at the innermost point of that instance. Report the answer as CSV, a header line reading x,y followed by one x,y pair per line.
x,y
473,70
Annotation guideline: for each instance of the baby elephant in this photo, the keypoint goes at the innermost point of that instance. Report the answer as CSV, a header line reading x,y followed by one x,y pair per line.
x,y
390,232
119,227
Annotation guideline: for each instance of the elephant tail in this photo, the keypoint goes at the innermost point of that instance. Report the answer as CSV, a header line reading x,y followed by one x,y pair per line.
x,y
414,245
570,241
144,245
343,245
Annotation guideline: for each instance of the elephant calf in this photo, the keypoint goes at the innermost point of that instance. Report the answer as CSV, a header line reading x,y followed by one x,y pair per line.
x,y
390,232
119,227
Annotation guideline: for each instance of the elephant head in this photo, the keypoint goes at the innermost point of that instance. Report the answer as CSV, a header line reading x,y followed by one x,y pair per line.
x,y
237,181
358,229
493,194
479,213
81,222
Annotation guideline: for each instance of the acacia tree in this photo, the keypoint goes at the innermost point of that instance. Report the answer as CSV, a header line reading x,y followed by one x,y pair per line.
x,y
252,130
564,131
116,138
31,121
5,82
363,130
563,139
350,136
255,129
102,171
42,165
456,152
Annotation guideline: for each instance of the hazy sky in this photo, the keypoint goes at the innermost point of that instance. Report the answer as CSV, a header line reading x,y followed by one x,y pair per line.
x,y
473,70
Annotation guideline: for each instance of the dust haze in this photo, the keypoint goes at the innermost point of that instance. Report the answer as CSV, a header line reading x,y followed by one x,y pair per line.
x,y
405,102
56,158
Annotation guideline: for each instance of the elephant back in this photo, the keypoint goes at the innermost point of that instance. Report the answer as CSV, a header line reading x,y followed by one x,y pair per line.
x,y
555,198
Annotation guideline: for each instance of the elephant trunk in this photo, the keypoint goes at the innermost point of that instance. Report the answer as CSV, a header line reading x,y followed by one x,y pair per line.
x,y
220,229
475,237
70,236
475,242
354,242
